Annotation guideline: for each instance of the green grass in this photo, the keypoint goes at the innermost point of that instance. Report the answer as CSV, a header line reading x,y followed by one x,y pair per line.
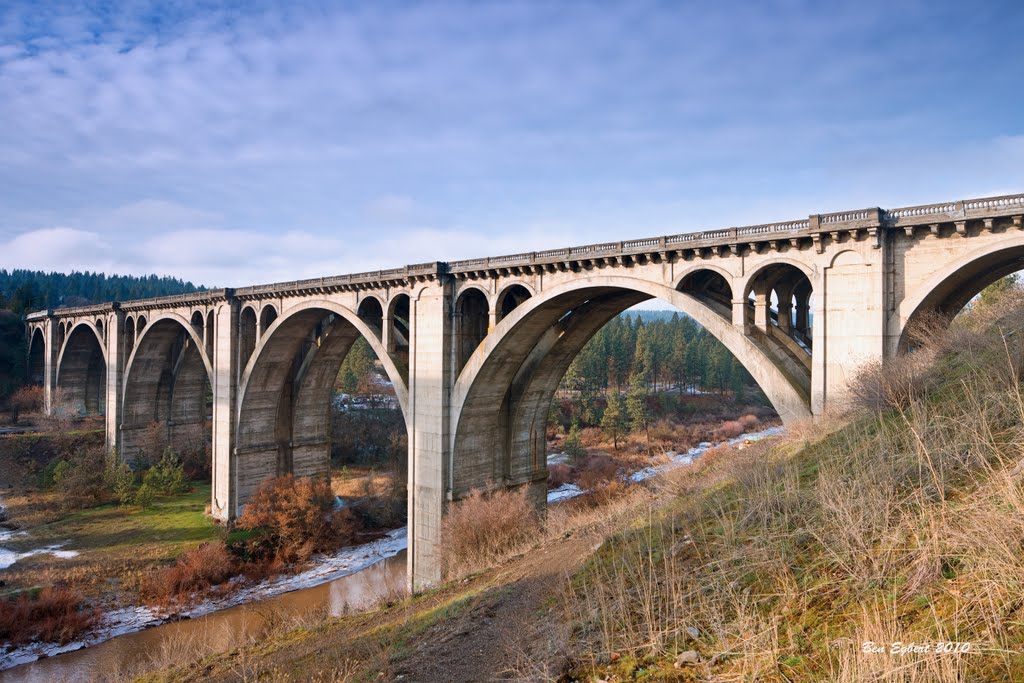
x,y
116,545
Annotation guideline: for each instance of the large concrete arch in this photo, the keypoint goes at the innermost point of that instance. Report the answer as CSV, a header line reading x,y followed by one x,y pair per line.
x,y
527,353
956,282
283,423
36,356
166,380
82,369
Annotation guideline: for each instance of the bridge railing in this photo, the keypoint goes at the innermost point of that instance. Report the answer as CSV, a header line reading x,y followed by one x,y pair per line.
x,y
829,222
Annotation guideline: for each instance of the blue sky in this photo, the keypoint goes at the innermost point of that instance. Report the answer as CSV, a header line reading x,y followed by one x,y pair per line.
x,y
244,142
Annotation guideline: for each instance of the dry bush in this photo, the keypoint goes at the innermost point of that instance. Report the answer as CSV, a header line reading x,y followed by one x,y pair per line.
x,y
749,422
55,615
559,475
293,518
730,429
191,577
192,446
596,471
26,400
486,527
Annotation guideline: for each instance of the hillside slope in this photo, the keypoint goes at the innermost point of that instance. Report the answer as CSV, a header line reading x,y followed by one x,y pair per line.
x,y
903,522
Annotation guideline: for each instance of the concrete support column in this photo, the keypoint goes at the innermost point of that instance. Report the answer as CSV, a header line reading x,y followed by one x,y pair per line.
x,y
387,334
51,354
739,313
785,317
430,379
115,376
225,372
761,311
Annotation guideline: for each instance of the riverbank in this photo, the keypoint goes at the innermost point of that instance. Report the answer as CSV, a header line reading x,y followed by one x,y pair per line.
x,y
125,620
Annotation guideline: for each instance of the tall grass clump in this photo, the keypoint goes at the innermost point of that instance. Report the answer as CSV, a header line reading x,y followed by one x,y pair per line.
x,y
902,523
51,615
486,527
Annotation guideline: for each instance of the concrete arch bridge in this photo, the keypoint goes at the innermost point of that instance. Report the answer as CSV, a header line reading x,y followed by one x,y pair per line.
x,y
476,348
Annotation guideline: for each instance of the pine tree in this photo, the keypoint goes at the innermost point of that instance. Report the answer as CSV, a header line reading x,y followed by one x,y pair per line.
x,y
614,421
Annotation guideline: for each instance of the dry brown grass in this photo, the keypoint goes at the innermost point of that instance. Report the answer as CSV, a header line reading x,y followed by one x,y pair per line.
x,y
486,527
903,524
54,615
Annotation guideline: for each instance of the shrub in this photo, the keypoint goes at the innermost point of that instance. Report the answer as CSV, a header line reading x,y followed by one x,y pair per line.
x,y
167,476
730,429
559,475
54,615
573,445
290,518
144,496
485,527
81,479
194,574
27,399
596,471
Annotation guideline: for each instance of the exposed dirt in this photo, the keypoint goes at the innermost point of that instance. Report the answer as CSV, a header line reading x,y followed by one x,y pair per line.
x,y
509,633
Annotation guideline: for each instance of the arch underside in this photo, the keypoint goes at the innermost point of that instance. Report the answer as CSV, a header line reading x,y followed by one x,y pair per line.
x,y
502,398
37,357
82,372
167,381
284,419
955,286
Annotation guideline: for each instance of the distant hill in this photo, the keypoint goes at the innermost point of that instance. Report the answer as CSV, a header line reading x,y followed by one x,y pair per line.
x,y
22,291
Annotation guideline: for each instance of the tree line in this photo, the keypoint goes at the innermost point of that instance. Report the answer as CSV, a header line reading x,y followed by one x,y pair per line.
x,y
22,291
662,351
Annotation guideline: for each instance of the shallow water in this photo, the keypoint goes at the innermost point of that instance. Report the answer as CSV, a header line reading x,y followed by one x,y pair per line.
x,y
217,631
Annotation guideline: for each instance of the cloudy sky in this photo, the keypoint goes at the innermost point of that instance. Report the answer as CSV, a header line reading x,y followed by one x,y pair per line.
x,y
241,143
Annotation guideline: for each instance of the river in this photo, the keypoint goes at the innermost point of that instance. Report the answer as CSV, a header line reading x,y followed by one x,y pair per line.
x,y
366,574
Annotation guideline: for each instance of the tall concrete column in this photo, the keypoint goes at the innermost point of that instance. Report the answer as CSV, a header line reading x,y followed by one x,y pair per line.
x,y
430,380
49,362
225,389
115,376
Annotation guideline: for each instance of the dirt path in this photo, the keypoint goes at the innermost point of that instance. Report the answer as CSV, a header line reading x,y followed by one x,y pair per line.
x,y
512,633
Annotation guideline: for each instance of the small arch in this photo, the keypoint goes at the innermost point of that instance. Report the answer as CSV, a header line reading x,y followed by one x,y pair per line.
x,y
208,340
399,325
710,288
779,300
247,334
510,298
198,323
371,312
128,340
140,326
61,335
472,314
267,316
99,328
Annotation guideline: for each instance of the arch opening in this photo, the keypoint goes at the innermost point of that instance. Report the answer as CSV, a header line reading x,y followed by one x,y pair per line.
x,y
472,319
511,298
167,400
502,400
779,304
267,316
399,331
247,335
82,373
293,418
711,289
372,313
